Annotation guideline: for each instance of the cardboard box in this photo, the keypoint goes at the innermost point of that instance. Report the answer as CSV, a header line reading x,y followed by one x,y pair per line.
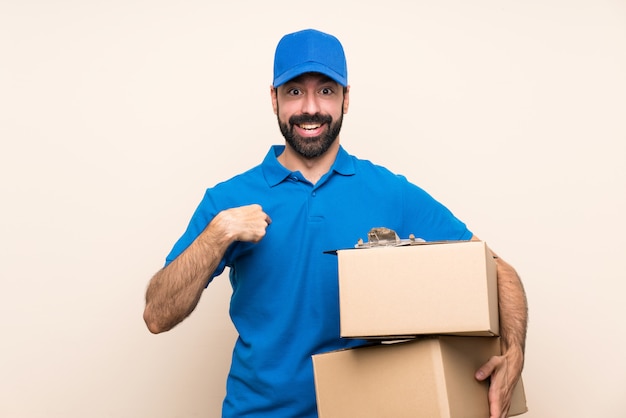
x,y
436,288
424,378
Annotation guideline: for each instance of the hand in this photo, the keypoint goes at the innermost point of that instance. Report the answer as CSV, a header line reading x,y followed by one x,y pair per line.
x,y
505,371
244,223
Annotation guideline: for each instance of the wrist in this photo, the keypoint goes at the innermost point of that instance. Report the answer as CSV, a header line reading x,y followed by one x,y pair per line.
x,y
514,354
217,231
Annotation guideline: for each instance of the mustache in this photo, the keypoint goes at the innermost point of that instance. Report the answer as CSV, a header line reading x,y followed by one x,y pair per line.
x,y
310,119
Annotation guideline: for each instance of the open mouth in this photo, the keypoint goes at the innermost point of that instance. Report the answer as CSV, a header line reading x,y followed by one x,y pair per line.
x,y
310,127
309,130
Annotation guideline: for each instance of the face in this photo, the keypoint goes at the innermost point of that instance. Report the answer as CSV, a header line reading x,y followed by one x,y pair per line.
x,y
310,111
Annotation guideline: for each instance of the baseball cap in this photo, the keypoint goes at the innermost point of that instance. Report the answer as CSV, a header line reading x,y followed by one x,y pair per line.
x,y
308,51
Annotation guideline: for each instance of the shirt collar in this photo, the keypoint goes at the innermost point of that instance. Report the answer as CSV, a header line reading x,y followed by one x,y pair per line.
x,y
275,172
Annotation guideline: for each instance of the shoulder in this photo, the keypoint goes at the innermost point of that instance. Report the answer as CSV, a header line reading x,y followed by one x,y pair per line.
x,y
369,170
387,181
238,190
264,174
254,174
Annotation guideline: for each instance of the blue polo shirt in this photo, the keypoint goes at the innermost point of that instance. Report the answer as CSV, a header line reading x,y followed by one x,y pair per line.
x,y
284,303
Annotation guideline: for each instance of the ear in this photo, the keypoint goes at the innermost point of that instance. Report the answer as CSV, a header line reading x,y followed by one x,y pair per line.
x,y
274,99
346,100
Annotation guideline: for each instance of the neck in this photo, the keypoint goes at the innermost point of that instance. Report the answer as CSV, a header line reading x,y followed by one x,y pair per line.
x,y
311,168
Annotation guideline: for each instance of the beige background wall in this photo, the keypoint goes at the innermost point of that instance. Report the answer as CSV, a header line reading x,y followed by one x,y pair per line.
x,y
116,115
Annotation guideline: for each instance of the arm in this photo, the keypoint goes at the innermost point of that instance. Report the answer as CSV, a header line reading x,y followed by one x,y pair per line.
x,y
505,370
174,291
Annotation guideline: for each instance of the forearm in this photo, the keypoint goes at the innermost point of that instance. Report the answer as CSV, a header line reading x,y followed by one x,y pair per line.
x,y
513,308
175,290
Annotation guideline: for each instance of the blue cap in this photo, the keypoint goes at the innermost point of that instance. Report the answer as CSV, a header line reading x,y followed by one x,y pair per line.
x,y
309,51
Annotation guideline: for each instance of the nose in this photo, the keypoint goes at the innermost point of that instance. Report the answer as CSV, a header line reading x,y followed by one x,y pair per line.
x,y
310,104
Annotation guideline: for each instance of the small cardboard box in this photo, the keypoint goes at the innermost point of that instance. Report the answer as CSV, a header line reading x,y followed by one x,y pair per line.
x,y
435,288
423,378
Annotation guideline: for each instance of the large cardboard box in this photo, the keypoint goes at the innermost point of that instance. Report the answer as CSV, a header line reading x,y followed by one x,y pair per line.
x,y
436,288
424,378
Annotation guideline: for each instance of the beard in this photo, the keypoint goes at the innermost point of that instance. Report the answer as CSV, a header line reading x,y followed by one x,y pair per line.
x,y
311,147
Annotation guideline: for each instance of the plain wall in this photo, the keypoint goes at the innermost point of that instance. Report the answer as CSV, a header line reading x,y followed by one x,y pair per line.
x,y
116,115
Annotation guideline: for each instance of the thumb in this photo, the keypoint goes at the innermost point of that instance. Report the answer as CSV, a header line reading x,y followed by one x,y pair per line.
x,y
486,369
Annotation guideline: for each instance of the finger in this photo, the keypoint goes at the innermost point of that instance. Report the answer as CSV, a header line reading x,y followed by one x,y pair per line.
x,y
487,369
256,207
495,403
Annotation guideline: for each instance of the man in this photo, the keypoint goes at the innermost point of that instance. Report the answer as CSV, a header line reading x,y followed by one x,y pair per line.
x,y
271,226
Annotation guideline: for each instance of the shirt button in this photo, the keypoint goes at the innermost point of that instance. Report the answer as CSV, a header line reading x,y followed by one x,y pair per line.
x,y
313,194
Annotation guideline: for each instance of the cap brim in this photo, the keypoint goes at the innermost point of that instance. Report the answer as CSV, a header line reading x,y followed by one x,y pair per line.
x,y
309,67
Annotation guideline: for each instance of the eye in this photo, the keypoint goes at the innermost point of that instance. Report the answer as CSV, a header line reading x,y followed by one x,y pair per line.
x,y
294,91
326,91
